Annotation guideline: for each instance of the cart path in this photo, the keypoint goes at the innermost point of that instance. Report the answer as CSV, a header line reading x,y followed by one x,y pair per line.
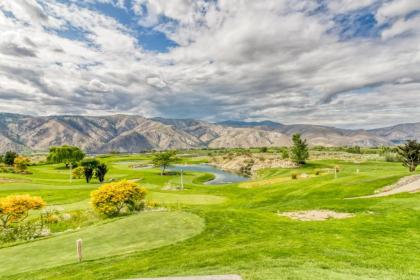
x,y
410,184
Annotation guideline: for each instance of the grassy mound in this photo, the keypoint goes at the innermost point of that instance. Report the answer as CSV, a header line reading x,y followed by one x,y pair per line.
x,y
134,233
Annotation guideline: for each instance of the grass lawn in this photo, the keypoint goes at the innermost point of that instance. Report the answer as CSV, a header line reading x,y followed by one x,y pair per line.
x,y
242,232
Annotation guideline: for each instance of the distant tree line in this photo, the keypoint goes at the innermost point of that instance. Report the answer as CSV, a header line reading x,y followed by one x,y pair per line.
x,y
73,156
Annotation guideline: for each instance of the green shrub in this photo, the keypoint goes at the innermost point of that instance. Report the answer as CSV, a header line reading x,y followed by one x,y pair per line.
x,y
285,154
263,149
391,157
24,231
7,169
354,150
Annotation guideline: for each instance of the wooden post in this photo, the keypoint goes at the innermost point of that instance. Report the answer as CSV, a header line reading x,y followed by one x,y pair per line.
x,y
335,172
79,249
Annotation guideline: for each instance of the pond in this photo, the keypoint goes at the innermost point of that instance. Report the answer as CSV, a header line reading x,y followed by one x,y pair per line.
x,y
221,177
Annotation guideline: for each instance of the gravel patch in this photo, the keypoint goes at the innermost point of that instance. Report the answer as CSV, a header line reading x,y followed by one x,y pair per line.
x,y
315,215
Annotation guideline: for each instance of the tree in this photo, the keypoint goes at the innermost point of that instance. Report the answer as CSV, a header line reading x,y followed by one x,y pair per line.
x,y
100,171
15,208
21,163
111,198
65,154
263,149
163,160
410,154
299,150
9,158
89,166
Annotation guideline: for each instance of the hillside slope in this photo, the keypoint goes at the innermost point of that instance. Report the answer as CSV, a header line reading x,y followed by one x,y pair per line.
x,y
127,133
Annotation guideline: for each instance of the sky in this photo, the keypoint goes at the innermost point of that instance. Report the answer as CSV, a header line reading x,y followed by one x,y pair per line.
x,y
343,63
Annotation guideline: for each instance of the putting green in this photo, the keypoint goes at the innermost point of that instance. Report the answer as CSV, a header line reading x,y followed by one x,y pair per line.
x,y
135,233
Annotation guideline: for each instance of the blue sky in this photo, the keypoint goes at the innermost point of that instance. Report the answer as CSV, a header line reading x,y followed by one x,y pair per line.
x,y
149,38
338,62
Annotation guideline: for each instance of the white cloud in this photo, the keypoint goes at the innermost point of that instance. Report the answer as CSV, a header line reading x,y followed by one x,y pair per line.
x,y
279,60
396,8
98,86
402,26
342,6
156,82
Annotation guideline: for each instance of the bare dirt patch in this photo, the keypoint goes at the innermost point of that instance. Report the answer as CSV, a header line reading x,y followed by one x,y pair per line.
x,y
315,215
9,180
410,184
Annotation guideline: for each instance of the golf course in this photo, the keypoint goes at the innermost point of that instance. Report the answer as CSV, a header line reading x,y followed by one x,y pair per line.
x,y
256,228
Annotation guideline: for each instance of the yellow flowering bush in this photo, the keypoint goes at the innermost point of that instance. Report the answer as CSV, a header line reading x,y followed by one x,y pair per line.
x,y
111,198
152,204
21,163
78,172
15,208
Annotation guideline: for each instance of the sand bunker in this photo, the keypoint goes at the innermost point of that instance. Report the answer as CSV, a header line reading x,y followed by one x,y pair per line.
x,y
408,184
315,215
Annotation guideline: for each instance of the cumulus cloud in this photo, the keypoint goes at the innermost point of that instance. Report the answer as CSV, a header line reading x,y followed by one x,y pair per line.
x,y
98,86
281,60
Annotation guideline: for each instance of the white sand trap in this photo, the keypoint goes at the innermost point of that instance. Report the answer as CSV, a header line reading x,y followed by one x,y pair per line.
x,y
408,184
214,277
316,215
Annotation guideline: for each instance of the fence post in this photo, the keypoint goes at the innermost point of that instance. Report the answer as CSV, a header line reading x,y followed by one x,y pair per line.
x,y
79,249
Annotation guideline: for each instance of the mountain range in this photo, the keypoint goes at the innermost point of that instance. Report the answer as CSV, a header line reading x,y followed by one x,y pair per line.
x,y
130,133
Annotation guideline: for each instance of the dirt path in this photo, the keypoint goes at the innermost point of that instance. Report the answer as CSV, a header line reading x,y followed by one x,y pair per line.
x,y
408,184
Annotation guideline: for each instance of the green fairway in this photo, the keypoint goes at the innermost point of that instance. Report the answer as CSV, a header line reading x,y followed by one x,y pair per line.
x,y
241,232
186,198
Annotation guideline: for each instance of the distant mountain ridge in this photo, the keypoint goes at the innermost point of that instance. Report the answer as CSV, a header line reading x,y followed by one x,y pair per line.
x,y
128,133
